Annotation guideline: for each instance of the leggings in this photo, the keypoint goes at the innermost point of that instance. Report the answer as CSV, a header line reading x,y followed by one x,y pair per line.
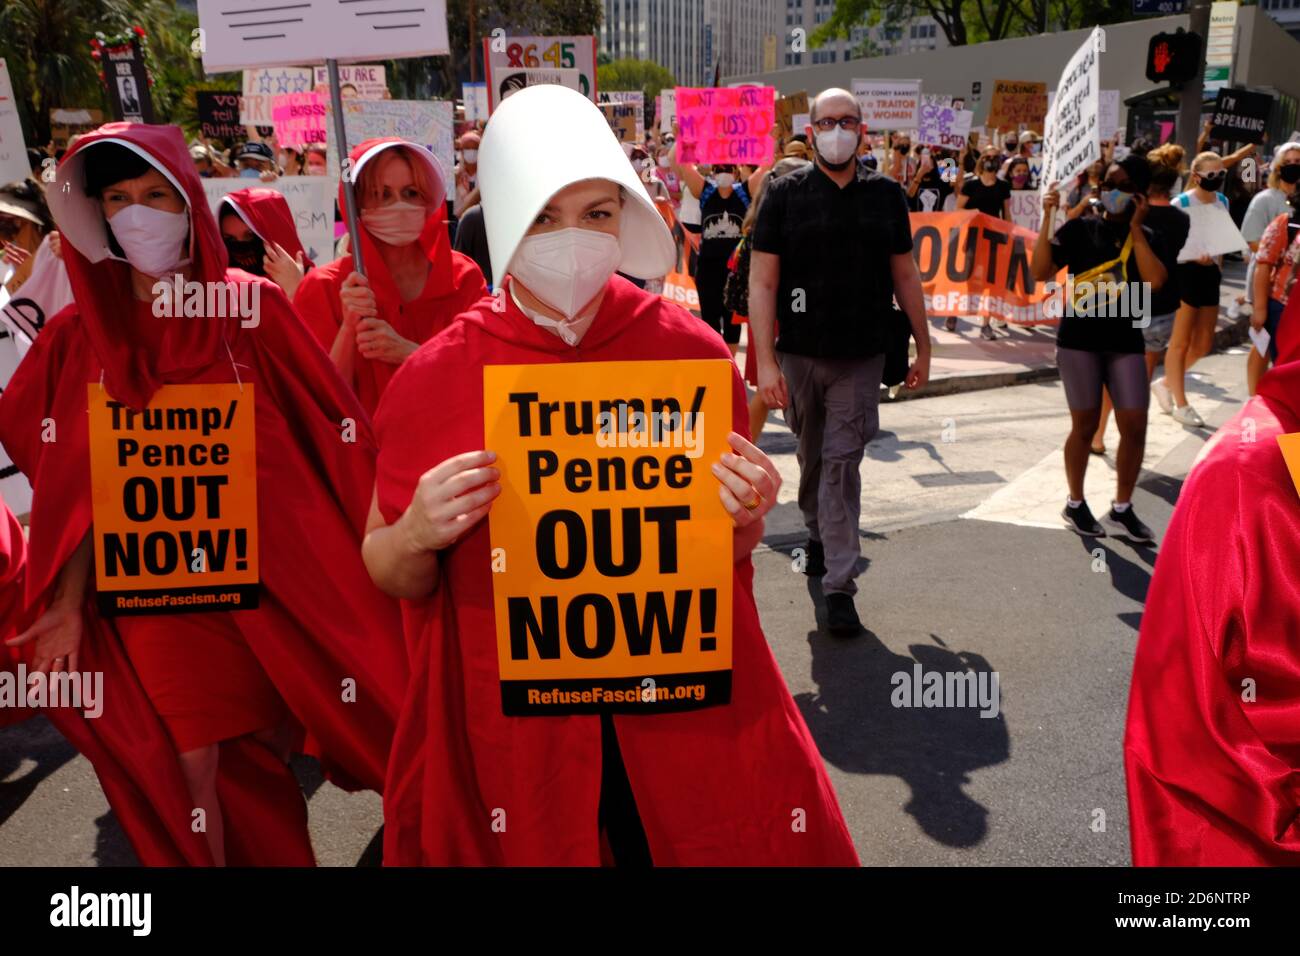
x,y
1084,373
710,279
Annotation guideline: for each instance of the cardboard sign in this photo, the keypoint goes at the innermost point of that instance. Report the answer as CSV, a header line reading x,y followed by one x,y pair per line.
x,y
510,61
622,120
70,122
611,551
787,107
631,98
174,490
261,87
1071,133
1240,116
730,125
941,125
219,116
889,104
427,123
128,82
973,265
238,34
300,118
14,163
1017,104
310,199
356,81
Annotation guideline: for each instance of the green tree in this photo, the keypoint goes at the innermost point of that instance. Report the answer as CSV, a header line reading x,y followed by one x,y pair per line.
x,y
630,75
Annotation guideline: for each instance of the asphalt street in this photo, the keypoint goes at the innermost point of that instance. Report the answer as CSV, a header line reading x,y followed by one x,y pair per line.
x,y
966,570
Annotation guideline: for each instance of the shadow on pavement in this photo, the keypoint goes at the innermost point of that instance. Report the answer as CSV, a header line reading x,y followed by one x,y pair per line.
x,y
933,750
38,742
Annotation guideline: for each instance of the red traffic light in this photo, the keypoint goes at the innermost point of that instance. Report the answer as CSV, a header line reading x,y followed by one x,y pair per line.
x,y
1173,57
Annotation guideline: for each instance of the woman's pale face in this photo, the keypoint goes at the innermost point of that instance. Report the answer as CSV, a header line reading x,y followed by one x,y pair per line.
x,y
591,204
393,181
152,189
235,229
1290,158
1208,168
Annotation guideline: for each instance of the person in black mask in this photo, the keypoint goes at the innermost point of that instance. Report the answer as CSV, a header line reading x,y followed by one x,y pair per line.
x,y
1099,342
990,195
928,189
258,230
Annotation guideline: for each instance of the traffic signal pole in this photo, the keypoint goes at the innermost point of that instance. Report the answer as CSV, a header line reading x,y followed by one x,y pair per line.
x,y
1193,91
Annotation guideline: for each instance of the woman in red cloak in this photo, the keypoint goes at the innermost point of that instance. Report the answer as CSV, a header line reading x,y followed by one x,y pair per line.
x,y
201,709
414,283
715,786
13,554
257,228
1212,748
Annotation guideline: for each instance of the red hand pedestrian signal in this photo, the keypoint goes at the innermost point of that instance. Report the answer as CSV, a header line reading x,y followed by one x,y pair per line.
x,y
1173,57
1162,58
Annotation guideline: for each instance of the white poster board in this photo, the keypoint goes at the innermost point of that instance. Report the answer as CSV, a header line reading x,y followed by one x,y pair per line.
x,y
1027,208
245,33
427,123
512,60
1210,233
310,199
15,491
13,148
940,124
1071,132
475,97
667,109
514,81
889,104
365,81
261,87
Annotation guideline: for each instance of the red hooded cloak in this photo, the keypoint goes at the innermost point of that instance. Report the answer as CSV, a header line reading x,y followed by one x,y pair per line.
x,y
267,213
1212,748
13,556
320,620
454,285
718,786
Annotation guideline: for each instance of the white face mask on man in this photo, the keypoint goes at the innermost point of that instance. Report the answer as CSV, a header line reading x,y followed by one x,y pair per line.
x,y
397,223
152,239
837,145
566,268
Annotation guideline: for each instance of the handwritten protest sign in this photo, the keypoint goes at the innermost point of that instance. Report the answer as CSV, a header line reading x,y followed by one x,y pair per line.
x,y
360,80
219,116
940,124
730,125
527,61
475,97
1071,133
427,123
667,110
787,107
973,265
1027,209
635,100
310,199
14,163
889,104
1017,104
609,590
622,120
313,31
300,118
261,87
174,492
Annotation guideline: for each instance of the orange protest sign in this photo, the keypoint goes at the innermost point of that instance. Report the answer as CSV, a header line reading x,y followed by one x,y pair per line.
x,y
174,491
1290,445
611,551
1017,104
973,265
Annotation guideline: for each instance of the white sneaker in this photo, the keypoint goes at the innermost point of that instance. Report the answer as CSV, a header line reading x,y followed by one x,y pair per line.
x,y
1186,415
999,323
1161,392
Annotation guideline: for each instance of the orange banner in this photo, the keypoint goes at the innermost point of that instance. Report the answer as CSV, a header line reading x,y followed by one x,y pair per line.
x,y
973,265
174,491
611,550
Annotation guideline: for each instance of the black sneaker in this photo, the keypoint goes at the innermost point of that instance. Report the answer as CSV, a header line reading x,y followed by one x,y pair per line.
x,y
841,615
1080,521
1127,524
815,559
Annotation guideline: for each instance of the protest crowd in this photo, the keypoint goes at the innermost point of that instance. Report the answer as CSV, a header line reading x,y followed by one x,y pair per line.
x,y
304,559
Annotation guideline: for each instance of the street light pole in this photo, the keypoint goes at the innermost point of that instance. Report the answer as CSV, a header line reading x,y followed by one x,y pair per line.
x,y
1193,91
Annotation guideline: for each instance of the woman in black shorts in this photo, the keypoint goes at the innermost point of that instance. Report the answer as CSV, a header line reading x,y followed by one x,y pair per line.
x,y
1101,348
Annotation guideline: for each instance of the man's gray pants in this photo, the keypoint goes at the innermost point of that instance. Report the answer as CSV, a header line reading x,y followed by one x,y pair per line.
x,y
834,410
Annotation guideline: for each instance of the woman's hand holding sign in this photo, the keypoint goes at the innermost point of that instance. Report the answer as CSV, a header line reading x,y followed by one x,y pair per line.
x,y
749,483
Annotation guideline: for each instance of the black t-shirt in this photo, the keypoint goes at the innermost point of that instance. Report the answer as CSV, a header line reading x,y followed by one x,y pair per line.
x,y
931,194
986,199
1170,225
1082,244
836,288
720,220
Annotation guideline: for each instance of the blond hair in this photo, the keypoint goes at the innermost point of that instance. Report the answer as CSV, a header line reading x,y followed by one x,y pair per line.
x,y
1170,155
1206,157
1275,168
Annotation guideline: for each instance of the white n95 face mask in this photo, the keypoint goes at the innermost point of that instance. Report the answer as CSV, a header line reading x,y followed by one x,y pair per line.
x,y
566,268
152,239
837,145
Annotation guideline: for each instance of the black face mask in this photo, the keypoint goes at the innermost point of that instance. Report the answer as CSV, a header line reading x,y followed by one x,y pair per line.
x,y
1290,173
990,166
903,148
1213,183
246,255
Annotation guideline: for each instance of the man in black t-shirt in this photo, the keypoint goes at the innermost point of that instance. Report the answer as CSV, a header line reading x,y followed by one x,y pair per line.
x,y
832,248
